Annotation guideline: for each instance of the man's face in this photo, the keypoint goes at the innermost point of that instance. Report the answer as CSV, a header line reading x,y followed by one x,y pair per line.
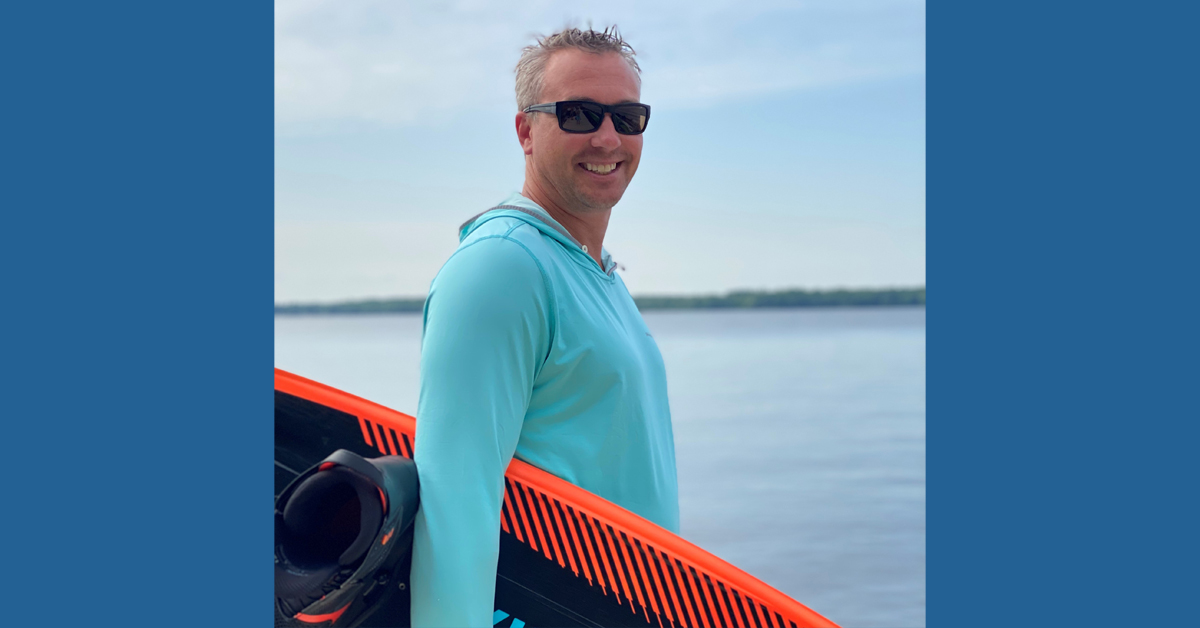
x,y
560,160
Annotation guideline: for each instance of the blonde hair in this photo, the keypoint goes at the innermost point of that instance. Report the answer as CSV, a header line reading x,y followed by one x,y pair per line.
x,y
532,66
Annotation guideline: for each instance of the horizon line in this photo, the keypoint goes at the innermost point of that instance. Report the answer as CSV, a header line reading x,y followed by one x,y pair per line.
x,y
736,299
648,295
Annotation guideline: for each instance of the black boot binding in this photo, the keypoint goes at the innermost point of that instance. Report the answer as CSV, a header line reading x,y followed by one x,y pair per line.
x,y
343,542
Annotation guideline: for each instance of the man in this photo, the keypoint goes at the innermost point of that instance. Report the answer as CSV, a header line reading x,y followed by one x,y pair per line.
x,y
532,345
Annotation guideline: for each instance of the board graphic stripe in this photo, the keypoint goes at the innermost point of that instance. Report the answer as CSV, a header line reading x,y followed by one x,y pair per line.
x,y
381,443
635,577
586,563
544,521
535,539
407,444
705,602
506,507
748,609
693,596
639,579
716,601
504,516
602,572
758,620
670,601
741,607
507,516
522,518
624,564
526,496
656,588
614,560
685,616
685,600
653,581
581,546
546,536
374,439
752,610
561,547
573,557
611,553
697,604
395,443
734,622
650,585
362,423
779,618
767,615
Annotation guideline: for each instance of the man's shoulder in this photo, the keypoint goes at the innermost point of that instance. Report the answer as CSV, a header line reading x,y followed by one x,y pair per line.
x,y
517,232
494,265
502,250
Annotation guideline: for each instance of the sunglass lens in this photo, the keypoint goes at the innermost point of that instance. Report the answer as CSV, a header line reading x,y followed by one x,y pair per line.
x,y
630,120
579,117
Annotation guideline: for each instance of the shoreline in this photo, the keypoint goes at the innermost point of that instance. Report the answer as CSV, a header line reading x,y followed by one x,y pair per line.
x,y
741,300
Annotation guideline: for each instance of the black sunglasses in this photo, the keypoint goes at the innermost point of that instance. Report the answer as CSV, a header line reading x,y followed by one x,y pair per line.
x,y
584,116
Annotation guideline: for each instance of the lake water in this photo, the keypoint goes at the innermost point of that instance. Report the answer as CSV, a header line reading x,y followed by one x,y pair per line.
x,y
799,436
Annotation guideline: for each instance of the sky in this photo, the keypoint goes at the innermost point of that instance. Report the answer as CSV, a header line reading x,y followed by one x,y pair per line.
x,y
786,147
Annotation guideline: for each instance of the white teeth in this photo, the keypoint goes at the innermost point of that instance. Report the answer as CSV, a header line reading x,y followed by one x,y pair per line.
x,y
600,168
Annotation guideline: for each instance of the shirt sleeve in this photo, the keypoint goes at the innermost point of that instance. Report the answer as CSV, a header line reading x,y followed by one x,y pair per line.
x,y
486,335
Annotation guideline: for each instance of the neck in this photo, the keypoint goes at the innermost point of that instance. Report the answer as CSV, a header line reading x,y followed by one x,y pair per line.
x,y
584,224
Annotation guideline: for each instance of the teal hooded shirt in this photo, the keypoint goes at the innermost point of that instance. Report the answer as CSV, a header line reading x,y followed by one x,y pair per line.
x,y
530,349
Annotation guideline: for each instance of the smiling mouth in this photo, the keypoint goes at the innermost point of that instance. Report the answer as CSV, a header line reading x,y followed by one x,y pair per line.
x,y
602,169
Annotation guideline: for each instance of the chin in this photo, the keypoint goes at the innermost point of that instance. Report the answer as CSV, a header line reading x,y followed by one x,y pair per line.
x,y
599,203
605,198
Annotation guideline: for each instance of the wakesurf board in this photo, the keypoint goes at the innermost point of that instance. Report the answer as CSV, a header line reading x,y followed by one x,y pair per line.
x,y
567,556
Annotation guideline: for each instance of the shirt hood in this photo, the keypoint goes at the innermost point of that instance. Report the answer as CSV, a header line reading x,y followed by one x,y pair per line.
x,y
521,208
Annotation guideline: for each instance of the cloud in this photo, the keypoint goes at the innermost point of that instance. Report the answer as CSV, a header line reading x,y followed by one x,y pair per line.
x,y
379,64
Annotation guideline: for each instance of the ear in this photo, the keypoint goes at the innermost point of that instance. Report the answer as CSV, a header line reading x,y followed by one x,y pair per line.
x,y
525,132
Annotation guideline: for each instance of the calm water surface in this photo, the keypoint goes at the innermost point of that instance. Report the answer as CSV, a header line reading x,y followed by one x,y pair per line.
x,y
799,435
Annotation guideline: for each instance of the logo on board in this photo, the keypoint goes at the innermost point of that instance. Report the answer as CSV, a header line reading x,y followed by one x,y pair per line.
x,y
500,616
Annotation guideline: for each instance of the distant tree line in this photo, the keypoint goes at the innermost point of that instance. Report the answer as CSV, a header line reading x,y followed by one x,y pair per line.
x,y
369,306
740,299
787,298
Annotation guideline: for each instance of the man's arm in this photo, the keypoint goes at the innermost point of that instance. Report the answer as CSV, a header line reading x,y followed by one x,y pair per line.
x,y
486,335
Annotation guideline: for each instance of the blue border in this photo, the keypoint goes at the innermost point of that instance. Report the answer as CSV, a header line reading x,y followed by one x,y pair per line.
x,y
137,250
137,156
1061,272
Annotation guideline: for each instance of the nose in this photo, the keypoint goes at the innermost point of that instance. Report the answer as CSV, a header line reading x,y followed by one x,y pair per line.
x,y
606,136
